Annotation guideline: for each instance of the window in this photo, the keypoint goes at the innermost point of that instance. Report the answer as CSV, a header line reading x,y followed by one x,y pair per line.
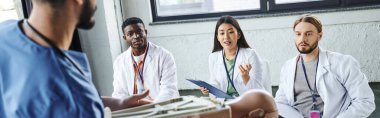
x,y
296,5
168,10
361,2
190,9
293,1
184,7
10,9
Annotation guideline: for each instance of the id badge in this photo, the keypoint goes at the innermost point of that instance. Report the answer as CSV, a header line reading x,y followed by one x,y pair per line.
x,y
314,114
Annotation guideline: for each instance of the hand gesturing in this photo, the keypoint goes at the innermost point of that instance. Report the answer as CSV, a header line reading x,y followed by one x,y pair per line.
x,y
244,71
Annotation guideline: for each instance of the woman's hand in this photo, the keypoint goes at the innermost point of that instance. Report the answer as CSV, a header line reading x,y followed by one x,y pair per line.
x,y
204,91
244,72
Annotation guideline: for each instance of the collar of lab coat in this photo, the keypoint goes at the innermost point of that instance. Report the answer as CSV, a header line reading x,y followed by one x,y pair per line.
x,y
323,67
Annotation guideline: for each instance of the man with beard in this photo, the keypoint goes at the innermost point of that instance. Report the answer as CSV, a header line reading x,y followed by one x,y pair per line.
x,y
39,76
144,66
320,82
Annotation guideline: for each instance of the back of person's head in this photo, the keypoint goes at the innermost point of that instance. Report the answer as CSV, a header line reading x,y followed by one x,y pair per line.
x,y
309,19
241,43
131,20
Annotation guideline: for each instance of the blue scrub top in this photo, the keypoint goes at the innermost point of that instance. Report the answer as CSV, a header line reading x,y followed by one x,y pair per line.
x,y
35,81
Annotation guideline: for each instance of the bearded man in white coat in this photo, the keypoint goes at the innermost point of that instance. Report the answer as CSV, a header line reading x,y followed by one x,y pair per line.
x,y
321,82
144,66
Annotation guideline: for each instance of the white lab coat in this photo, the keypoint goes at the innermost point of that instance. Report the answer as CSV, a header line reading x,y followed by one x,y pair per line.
x,y
218,76
342,86
160,74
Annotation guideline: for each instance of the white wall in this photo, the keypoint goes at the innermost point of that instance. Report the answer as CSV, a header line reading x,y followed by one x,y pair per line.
x,y
103,44
350,32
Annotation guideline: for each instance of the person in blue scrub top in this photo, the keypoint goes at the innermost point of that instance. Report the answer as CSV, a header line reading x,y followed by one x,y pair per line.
x,y
233,65
39,76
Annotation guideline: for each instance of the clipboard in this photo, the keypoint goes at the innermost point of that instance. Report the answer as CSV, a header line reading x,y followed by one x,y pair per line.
x,y
213,90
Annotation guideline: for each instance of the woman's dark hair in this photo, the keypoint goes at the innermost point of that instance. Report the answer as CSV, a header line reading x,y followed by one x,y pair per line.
x,y
242,43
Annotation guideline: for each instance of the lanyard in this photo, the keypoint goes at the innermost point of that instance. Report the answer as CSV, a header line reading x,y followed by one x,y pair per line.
x,y
233,68
307,80
135,65
54,46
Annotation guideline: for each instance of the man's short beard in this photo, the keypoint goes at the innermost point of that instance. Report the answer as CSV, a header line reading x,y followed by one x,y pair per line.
x,y
86,15
312,47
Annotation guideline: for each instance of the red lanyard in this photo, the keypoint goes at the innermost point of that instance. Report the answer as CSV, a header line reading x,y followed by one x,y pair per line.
x,y
139,72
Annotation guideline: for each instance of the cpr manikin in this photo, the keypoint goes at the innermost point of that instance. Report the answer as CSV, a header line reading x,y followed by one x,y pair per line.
x,y
254,104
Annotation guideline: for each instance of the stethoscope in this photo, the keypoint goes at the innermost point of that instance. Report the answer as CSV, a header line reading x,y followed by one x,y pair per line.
x,y
53,46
